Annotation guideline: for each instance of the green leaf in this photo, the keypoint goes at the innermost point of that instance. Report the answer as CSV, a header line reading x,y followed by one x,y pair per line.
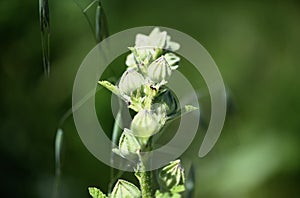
x,y
114,89
178,189
125,189
182,112
159,194
96,193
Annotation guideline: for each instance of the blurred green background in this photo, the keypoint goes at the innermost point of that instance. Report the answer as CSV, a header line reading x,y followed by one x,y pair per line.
x,y
256,45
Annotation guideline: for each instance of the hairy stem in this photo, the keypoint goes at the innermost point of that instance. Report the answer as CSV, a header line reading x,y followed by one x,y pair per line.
x,y
145,183
146,177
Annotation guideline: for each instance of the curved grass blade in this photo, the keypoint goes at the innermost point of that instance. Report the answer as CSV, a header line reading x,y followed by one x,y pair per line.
x,y
101,29
57,151
45,34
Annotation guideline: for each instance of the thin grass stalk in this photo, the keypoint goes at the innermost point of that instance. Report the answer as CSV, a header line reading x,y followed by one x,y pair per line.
x,y
45,34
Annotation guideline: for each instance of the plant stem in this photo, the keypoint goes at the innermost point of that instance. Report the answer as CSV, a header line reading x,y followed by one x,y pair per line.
x,y
145,183
144,178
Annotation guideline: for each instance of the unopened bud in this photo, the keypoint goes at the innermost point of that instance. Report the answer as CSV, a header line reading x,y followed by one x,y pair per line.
x,y
130,81
128,144
159,70
145,123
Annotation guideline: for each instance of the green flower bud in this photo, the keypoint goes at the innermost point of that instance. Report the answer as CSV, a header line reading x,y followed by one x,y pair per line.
x,y
128,145
159,70
130,81
145,123
172,176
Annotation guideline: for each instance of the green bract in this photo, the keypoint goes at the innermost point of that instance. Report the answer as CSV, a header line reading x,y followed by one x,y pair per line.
x,y
96,193
124,189
172,177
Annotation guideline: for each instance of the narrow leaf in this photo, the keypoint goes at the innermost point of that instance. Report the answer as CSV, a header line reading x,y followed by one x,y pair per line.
x,y
182,112
114,89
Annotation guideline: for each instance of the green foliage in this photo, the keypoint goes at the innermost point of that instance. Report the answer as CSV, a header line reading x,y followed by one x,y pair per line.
x,y
159,194
96,193
110,87
255,44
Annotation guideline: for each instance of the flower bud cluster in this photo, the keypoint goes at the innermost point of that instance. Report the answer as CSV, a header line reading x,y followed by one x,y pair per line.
x,y
143,87
150,65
